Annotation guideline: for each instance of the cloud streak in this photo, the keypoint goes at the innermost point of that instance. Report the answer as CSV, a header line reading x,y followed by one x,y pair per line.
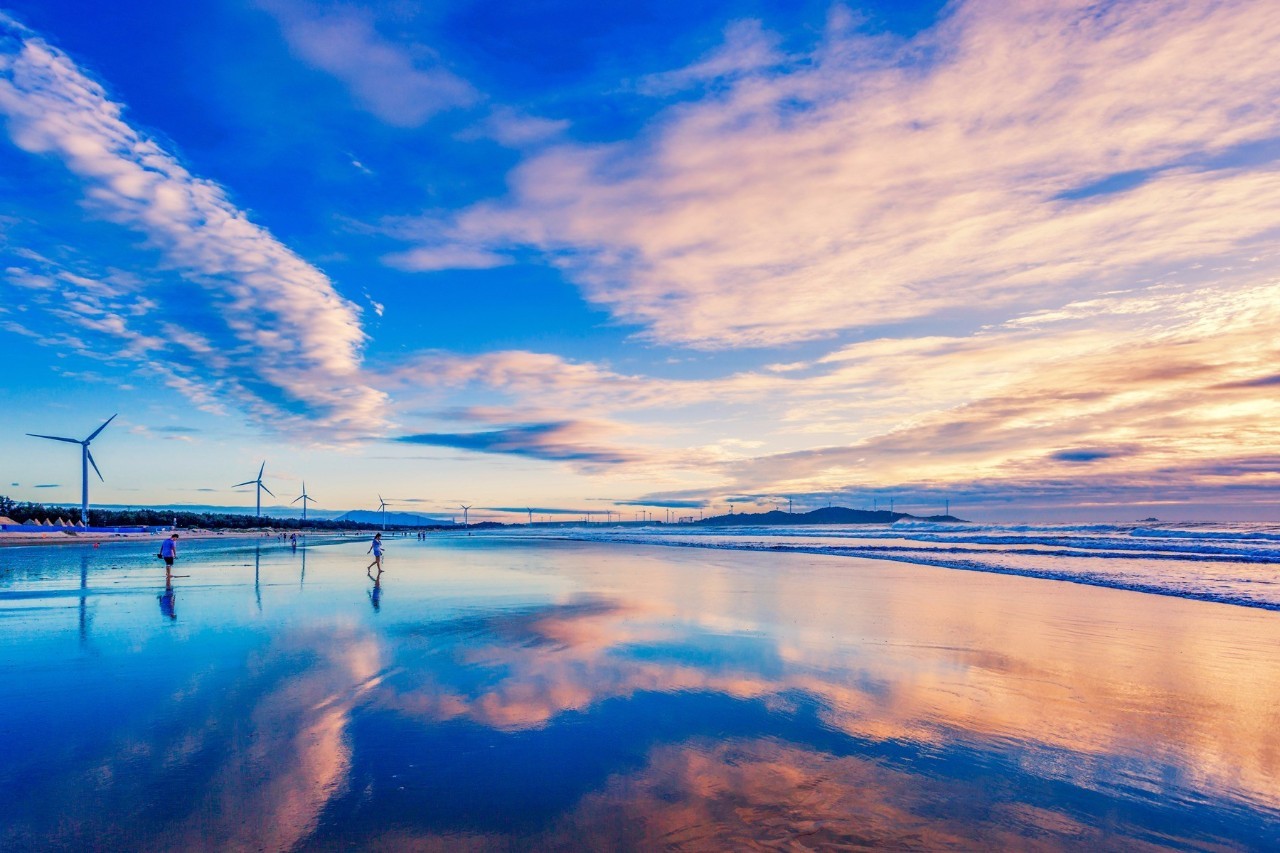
x,y
292,345
565,441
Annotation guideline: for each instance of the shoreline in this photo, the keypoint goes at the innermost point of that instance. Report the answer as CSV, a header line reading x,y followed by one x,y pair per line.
x,y
57,537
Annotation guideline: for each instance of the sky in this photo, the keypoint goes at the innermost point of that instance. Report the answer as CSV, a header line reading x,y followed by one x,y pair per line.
x,y
1018,259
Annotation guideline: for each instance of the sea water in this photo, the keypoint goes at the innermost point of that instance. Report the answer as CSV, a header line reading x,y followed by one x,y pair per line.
x,y
1231,563
490,692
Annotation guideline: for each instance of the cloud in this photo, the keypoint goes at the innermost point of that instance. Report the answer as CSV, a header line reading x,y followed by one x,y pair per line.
x,y
983,165
672,503
1083,454
427,259
1259,382
514,129
290,344
565,441
747,48
403,86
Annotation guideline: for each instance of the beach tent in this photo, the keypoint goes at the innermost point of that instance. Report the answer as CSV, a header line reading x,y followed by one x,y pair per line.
x,y
61,522
6,520
79,524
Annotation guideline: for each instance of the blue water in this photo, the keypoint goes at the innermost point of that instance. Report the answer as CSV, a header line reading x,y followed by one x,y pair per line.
x,y
1229,563
492,692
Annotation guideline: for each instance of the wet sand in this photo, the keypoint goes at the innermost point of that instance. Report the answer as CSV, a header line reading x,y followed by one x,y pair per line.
x,y
495,695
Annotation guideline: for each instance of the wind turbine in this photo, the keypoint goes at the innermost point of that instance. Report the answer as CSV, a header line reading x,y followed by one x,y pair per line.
x,y
261,488
86,459
465,508
382,507
530,509
304,497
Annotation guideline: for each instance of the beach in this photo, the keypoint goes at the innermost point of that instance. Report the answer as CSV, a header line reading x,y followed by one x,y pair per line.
x,y
495,693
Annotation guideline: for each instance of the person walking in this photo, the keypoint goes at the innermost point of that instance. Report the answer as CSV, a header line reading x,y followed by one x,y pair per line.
x,y
376,550
169,552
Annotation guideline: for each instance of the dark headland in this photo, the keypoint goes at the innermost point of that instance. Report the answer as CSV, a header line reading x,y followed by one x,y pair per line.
x,y
825,515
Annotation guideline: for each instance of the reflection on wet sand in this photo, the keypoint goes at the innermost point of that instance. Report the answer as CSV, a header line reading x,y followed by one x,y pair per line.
x,y
1175,704
168,599
695,702
249,764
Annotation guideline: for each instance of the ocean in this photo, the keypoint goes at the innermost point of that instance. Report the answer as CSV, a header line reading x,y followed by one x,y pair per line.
x,y
1237,563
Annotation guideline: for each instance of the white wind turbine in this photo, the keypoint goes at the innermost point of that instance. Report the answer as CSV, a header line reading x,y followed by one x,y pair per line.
x,y
304,497
86,459
465,509
382,505
258,483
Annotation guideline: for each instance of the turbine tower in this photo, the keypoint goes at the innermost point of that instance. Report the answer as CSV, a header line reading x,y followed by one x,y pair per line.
x,y
86,459
305,498
261,488
382,507
465,509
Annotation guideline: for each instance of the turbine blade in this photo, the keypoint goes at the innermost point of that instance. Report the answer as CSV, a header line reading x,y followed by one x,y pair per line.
x,y
55,438
100,429
295,500
263,468
265,489
245,483
94,464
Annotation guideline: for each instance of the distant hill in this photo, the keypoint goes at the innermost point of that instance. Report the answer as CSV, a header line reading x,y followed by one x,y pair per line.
x,y
825,515
394,519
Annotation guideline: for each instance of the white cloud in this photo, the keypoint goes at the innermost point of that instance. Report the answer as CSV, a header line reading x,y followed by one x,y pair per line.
x,y
747,48
877,181
285,323
402,86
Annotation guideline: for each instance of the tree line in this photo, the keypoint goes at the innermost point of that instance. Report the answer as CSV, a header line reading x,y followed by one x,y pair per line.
x,y
27,512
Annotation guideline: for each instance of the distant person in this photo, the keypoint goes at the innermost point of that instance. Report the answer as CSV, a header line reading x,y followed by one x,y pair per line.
x,y
169,552
293,540
376,550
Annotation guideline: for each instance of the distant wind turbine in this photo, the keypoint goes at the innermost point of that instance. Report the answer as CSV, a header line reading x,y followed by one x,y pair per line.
x,y
261,488
382,506
530,510
304,497
465,508
86,459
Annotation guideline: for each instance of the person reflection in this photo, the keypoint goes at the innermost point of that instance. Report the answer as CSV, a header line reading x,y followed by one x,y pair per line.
x,y
375,594
168,600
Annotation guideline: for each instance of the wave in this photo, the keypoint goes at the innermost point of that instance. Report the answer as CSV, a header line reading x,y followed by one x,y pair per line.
x,y
1182,546
1189,564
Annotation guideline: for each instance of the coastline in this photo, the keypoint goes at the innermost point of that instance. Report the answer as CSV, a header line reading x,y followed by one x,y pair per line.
x,y
58,537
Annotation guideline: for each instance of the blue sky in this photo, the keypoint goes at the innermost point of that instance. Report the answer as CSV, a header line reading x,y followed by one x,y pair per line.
x,y
569,254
